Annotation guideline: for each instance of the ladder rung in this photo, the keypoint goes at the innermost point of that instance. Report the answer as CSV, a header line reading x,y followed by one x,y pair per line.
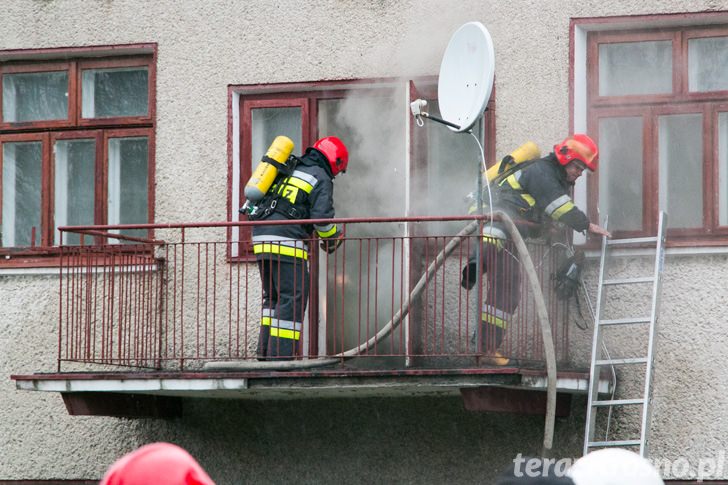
x,y
618,402
625,321
594,444
633,240
634,360
629,281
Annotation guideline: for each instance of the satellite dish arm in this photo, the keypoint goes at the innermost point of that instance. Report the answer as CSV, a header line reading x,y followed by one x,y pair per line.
x,y
418,108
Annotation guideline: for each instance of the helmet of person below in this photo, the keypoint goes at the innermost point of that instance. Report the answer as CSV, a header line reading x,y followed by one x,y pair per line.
x,y
156,464
615,465
578,147
335,152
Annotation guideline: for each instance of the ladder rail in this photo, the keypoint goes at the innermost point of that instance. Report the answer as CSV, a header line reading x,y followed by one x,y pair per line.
x,y
595,370
656,291
597,362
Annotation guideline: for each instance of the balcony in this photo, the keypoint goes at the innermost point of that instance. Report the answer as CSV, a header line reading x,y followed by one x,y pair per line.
x,y
156,312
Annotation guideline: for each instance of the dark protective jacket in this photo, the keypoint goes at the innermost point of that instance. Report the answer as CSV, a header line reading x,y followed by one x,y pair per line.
x,y
539,190
307,193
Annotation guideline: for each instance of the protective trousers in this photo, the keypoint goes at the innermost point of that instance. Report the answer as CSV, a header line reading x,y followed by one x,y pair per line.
x,y
285,295
503,276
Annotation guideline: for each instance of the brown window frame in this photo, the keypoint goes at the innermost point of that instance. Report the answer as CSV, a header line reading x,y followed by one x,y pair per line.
x,y
650,107
116,63
75,61
70,67
306,96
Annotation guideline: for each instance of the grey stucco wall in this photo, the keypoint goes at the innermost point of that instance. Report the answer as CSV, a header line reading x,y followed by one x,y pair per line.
x,y
205,46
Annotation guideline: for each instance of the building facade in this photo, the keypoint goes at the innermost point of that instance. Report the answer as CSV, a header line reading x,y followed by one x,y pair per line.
x,y
131,112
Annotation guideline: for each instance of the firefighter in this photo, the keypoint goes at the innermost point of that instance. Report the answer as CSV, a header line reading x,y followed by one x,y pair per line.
x,y
157,464
282,250
534,192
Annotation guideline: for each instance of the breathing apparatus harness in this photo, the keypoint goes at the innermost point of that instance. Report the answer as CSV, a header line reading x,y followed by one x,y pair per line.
x,y
273,200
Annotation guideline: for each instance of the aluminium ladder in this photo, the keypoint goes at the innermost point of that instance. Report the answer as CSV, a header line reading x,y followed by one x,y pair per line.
x,y
599,360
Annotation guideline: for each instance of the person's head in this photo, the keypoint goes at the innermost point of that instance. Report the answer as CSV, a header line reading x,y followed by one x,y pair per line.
x,y
335,152
156,464
576,154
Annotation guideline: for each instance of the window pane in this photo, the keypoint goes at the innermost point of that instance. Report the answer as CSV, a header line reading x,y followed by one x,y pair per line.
x,y
128,198
21,193
74,187
268,123
708,64
681,169
35,96
635,68
109,93
620,172
723,169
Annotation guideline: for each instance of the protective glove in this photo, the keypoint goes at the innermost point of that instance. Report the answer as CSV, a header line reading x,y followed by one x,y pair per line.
x,y
568,277
470,276
332,244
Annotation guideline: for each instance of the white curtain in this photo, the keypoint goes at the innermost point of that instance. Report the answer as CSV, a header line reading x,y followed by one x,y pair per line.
x,y
114,183
8,226
88,95
723,168
10,109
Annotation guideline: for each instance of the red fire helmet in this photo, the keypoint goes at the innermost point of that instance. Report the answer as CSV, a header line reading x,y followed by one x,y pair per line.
x,y
156,464
335,152
578,147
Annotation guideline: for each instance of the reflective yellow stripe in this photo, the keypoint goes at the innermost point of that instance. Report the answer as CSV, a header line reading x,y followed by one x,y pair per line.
x,y
284,333
301,184
515,185
494,241
278,249
513,182
562,210
493,320
328,233
265,321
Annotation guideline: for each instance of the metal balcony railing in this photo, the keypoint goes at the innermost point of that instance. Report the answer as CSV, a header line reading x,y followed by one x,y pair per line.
x,y
191,294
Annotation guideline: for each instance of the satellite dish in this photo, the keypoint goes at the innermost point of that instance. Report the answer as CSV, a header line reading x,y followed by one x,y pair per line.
x,y
466,76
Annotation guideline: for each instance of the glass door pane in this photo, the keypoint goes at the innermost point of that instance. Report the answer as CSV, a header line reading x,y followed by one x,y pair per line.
x,y
453,166
681,169
74,193
22,171
372,127
620,172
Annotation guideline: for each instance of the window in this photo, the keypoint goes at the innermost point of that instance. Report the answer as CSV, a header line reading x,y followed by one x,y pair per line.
x,y
657,102
76,145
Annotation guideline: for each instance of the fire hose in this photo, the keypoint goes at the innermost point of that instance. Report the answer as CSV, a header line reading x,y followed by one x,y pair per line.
x,y
535,286
363,347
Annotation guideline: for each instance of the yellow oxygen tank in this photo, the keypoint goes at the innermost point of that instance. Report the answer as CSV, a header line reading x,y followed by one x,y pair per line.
x,y
266,172
525,152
